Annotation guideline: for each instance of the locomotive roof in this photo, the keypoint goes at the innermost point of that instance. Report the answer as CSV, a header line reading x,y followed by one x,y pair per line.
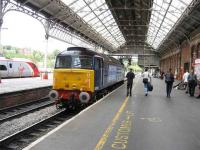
x,y
86,51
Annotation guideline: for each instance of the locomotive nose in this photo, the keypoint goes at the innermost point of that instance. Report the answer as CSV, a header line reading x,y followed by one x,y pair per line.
x,y
84,97
53,95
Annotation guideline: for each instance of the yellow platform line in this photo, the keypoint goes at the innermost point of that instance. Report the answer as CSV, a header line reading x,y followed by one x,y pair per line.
x,y
107,132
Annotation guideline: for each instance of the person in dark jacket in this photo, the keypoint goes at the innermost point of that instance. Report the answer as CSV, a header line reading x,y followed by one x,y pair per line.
x,y
192,82
169,79
130,76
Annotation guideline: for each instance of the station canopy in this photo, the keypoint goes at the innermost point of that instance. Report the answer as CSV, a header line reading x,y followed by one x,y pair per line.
x,y
165,14
116,25
97,14
130,22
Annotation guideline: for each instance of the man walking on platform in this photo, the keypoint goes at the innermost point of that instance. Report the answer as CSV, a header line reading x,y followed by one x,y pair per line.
x,y
169,79
130,76
192,82
185,80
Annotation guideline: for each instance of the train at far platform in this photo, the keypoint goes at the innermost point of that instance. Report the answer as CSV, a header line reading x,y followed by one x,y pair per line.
x,y
17,67
81,75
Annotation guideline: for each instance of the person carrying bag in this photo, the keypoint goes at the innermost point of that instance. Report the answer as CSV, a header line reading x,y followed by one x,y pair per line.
x,y
192,82
169,80
146,77
150,86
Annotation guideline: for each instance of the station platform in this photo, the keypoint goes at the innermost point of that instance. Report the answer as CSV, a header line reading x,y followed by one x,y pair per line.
x,y
140,122
20,84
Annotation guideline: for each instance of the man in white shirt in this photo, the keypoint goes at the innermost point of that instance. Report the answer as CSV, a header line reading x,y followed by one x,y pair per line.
x,y
185,80
146,78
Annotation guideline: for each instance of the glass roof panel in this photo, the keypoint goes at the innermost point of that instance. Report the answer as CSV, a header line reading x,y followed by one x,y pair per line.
x,y
165,13
77,6
93,21
84,11
97,14
68,2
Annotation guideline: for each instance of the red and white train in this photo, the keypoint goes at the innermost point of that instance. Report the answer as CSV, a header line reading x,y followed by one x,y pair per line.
x,y
17,67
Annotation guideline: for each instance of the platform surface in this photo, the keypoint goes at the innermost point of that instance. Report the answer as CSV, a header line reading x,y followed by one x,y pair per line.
x,y
19,84
134,123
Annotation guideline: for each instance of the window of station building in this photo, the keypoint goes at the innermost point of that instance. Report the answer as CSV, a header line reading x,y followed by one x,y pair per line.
x,y
3,67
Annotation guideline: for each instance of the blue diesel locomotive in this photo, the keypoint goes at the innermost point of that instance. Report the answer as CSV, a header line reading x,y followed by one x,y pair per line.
x,y
81,74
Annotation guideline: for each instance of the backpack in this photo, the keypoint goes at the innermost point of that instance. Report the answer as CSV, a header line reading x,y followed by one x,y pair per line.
x,y
169,77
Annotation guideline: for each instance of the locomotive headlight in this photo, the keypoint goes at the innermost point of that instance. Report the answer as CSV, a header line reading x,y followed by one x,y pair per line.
x,y
53,95
74,86
84,97
83,88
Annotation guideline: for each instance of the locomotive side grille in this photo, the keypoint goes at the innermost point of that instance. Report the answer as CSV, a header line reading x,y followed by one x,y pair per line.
x,y
74,79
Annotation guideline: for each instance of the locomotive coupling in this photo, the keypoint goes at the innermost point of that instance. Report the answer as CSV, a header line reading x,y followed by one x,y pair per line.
x,y
84,97
53,95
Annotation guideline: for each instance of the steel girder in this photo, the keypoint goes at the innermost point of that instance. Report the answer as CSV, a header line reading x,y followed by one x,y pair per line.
x,y
60,16
187,23
55,30
132,17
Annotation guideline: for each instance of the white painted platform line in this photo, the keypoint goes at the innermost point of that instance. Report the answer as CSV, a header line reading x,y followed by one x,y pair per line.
x,y
68,121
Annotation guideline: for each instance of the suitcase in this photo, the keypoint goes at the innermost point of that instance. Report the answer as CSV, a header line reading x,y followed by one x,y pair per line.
x,y
149,86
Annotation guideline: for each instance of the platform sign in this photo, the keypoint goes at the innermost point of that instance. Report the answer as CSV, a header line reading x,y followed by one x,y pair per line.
x,y
197,68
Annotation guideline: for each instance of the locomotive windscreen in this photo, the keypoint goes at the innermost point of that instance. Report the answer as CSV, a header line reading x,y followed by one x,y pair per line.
x,y
83,62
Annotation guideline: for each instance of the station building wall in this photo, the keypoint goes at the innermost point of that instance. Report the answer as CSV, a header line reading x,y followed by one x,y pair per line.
x,y
182,59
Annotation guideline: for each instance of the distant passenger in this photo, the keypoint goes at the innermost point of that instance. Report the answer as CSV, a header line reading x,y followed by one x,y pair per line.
x,y
162,75
185,80
169,79
130,76
198,82
192,82
146,79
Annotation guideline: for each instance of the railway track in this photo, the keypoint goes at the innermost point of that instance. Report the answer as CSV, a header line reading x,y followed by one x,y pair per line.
x,y
22,138
21,110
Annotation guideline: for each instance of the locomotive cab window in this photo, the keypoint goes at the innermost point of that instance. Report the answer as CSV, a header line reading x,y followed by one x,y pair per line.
x,y
3,67
63,62
82,62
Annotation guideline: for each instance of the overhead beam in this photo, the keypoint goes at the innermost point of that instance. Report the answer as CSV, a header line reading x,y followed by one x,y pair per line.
x,y
121,54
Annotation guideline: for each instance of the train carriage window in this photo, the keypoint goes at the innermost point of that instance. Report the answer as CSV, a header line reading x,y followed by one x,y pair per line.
x,y
10,65
3,67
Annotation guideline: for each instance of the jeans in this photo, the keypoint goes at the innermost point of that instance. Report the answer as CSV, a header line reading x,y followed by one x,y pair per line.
x,y
129,88
145,88
192,85
169,88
